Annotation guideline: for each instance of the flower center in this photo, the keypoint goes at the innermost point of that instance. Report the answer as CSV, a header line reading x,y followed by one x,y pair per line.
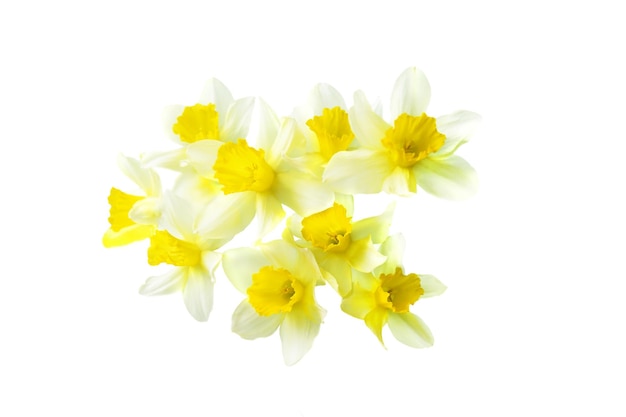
x,y
121,203
274,290
412,138
197,123
166,248
333,131
329,229
239,167
398,292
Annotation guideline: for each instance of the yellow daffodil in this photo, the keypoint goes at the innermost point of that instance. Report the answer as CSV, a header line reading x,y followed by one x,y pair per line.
x,y
340,245
415,149
386,295
279,281
258,180
216,117
191,253
133,217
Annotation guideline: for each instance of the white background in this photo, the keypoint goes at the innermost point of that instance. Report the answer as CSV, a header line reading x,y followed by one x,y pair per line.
x,y
533,320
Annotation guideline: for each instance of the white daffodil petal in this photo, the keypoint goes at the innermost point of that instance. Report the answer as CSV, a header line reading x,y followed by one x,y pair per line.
x,y
227,215
431,285
167,283
358,172
248,324
410,94
178,217
359,303
268,125
240,264
377,227
215,92
368,127
202,156
451,178
269,213
297,332
294,225
458,128
401,182
393,249
175,159
198,293
146,178
363,256
170,116
410,330
324,96
281,142
237,122
146,211
340,270
303,193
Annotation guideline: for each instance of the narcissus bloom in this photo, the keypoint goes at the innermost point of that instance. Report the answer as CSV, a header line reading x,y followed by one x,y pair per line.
x,y
339,244
279,281
258,180
191,253
415,149
385,296
134,217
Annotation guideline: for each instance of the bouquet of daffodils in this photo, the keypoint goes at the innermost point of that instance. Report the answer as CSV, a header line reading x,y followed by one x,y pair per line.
x,y
311,165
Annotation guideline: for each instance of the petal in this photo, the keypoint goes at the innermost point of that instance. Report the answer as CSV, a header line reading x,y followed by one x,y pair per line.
x,y
363,256
377,227
237,122
240,264
281,142
294,225
269,213
410,330
431,285
300,262
375,320
411,93
178,217
227,215
198,292
458,128
130,234
451,178
216,93
146,211
175,159
393,249
163,284
169,117
358,172
400,182
340,269
359,303
202,156
297,332
302,192
249,325
368,127
268,125
324,96
146,178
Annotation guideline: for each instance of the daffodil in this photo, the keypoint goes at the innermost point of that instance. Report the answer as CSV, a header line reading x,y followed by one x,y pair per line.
x,y
414,149
192,255
340,245
258,180
216,117
133,217
278,280
386,295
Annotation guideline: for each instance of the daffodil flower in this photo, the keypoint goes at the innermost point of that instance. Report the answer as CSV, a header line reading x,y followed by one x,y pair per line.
x,y
340,245
415,149
258,180
386,295
133,217
217,116
192,254
278,280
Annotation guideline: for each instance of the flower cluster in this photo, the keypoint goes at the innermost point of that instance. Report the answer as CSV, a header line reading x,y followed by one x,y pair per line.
x,y
309,165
